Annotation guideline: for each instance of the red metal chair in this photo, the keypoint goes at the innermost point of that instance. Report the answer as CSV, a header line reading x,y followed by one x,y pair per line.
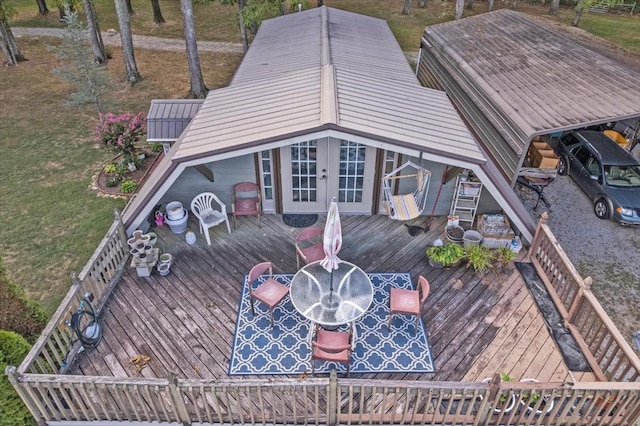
x,y
332,346
309,246
246,201
270,292
409,302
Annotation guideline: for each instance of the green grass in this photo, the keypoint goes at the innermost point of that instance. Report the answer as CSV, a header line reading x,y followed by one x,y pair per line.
x,y
52,221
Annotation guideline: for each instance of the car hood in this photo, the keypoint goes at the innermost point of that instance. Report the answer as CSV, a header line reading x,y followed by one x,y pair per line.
x,y
626,197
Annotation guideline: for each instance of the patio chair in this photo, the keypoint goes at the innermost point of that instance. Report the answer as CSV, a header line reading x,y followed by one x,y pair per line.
x,y
309,246
332,346
246,201
408,302
203,206
270,292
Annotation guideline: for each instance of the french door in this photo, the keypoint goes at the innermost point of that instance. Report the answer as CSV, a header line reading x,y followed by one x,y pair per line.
x,y
316,171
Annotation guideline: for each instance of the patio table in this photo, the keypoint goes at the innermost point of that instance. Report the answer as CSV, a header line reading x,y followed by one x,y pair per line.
x,y
332,298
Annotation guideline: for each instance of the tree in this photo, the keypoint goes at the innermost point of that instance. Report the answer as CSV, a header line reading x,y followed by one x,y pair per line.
x,y
8,43
320,3
63,5
198,89
555,4
124,22
406,7
157,13
129,8
99,53
422,4
491,3
42,7
243,29
459,8
78,67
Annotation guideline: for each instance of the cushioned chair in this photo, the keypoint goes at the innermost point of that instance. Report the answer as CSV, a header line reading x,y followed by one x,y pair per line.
x,y
333,346
210,212
246,201
309,246
270,292
409,302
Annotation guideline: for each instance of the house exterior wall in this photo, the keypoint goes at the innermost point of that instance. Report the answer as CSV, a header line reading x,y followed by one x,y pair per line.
x,y
226,173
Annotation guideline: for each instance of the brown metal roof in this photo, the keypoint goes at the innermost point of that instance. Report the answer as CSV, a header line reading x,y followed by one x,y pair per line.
x,y
530,79
167,118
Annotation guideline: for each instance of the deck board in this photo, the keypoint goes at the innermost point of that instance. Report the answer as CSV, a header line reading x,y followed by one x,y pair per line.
x,y
478,324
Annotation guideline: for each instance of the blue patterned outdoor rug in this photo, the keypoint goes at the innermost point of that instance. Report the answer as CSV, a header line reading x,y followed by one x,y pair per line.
x,y
285,349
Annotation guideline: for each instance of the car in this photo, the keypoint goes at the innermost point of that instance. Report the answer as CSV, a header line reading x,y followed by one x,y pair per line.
x,y
606,172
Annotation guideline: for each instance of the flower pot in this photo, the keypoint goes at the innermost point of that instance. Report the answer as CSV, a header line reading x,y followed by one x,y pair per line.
x,y
545,406
153,239
163,269
138,238
435,264
166,258
178,226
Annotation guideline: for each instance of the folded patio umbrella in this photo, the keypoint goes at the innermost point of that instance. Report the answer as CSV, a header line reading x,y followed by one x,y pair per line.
x,y
332,241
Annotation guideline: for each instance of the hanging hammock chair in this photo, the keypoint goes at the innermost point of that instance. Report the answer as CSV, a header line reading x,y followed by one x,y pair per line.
x,y
407,206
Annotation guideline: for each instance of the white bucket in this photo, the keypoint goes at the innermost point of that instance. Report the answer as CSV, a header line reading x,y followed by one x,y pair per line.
x,y
178,226
471,238
175,210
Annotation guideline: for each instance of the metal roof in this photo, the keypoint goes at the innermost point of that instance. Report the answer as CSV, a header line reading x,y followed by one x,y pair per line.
x,y
167,118
530,79
326,68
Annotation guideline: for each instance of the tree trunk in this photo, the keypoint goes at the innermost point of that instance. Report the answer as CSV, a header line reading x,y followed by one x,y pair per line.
x,y
406,7
320,3
63,13
422,4
130,8
469,4
555,5
578,15
8,44
243,29
459,8
491,3
198,89
42,7
99,53
131,70
157,13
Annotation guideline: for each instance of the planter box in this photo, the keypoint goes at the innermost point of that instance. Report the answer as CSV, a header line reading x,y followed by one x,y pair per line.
x,y
496,231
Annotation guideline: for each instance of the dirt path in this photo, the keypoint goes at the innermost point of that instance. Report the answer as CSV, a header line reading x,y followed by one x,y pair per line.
x,y
144,42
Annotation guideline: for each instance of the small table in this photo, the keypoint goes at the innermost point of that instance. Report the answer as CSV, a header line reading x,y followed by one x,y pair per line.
x,y
333,298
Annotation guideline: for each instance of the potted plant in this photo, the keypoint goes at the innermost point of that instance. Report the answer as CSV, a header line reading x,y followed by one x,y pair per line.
x,y
445,255
503,256
507,400
479,258
535,401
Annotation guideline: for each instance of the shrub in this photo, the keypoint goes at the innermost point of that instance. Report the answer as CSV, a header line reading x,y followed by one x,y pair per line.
x,y
112,182
13,412
121,132
18,313
128,186
447,254
156,147
110,168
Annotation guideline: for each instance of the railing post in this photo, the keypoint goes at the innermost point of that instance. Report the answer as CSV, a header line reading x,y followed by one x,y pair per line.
x,y
178,402
332,399
577,300
13,376
536,237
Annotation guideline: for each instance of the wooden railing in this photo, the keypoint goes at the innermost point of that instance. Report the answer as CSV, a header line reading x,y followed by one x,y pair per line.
x,y
325,401
56,348
55,397
608,353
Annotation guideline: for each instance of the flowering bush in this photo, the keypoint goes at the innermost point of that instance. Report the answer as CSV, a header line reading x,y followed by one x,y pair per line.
x,y
121,132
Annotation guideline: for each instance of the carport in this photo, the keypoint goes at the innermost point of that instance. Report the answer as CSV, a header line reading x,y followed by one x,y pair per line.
x,y
514,77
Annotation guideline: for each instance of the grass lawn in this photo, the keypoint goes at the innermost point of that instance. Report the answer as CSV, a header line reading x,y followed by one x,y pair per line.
x,y
52,220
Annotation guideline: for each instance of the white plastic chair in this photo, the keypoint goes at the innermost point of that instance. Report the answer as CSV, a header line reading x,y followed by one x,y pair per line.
x,y
203,207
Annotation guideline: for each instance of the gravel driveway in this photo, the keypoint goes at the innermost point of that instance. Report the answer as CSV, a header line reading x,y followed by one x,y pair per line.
x,y
602,249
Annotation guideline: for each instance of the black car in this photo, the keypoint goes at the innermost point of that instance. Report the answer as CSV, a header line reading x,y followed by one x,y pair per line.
x,y
606,172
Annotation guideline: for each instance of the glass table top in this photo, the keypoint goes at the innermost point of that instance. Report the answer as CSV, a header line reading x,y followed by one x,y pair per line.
x,y
331,298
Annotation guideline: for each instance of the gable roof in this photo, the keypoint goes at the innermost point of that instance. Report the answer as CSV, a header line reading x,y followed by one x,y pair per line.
x,y
167,118
529,79
326,69
313,74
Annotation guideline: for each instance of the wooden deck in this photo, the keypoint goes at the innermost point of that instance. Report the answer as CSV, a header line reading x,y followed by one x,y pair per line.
x,y
184,322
